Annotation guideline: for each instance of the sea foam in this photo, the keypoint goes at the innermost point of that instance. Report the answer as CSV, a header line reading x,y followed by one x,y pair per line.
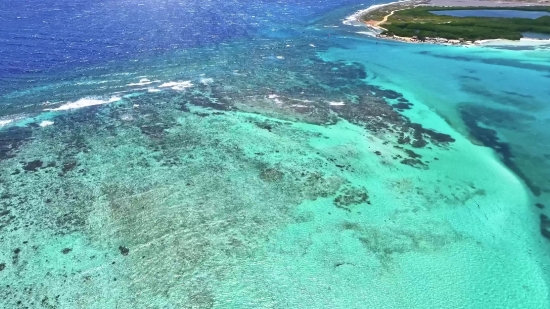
x,y
46,123
84,102
143,82
179,86
5,122
207,80
521,42
340,103
12,119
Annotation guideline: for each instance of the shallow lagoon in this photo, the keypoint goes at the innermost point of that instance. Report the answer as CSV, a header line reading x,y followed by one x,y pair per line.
x,y
317,168
538,36
493,13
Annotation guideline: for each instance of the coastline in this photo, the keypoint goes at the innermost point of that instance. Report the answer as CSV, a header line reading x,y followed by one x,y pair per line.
x,y
357,15
377,29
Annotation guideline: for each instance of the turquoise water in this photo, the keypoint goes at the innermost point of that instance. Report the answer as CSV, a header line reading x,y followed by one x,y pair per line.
x,y
308,165
493,13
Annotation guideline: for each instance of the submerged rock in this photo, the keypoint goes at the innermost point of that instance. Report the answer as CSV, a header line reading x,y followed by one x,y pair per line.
x,y
266,125
412,154
155,131
489,138
33,165
123,250
402,105
315,185
5,218
545,226
68,167
11,139
15,258
271,175
390,94
350,197
413,162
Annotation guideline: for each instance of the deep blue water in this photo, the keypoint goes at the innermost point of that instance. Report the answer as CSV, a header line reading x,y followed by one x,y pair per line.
x,y
37,36
493,13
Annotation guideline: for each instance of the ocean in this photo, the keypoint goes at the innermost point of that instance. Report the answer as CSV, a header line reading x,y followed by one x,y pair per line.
x,y
266,154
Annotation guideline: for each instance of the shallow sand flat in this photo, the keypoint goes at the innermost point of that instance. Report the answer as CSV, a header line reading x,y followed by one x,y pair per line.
x,y
493,83
250,219
445,237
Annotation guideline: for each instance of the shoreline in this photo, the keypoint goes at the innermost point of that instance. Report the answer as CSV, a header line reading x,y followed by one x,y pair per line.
x,y
377,29
357,15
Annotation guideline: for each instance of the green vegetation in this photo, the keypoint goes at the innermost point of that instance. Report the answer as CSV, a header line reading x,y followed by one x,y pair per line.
x,y
421,23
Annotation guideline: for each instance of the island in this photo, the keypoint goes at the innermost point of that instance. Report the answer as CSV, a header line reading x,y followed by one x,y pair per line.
x,y
441,23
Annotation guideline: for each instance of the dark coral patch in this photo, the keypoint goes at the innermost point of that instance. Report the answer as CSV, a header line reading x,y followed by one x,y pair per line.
x,y
489,138
15,258
419,132
413,162
5,218
545,226
412,154
70,221
378,116
11,139
351,226
124,250
351,196
352,71
469,77
67,167
202,114
402,106
271,175
390,94
33,165
213,103
155,131
266,125
315,185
